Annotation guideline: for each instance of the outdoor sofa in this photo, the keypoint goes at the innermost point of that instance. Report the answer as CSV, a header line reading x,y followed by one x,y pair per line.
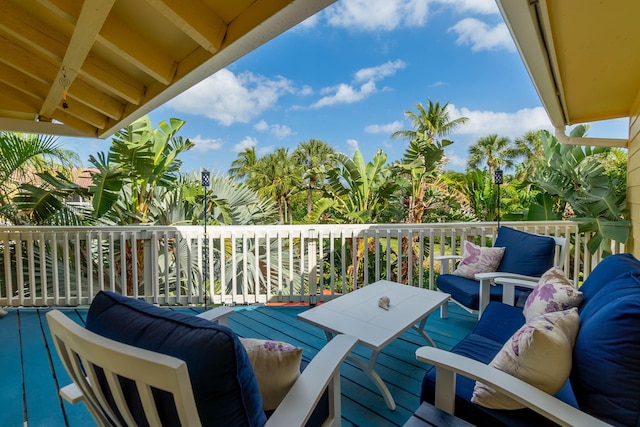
x,y
604,379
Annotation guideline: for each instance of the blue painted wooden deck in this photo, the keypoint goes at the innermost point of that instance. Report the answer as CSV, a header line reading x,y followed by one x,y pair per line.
x,y
32,372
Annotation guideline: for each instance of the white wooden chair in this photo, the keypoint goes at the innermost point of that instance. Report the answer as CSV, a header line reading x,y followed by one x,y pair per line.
x,y
84,354
448,365
508,280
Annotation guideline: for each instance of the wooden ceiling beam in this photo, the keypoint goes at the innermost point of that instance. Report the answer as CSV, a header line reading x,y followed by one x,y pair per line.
x,y
87,94
103,75
136,50
75,123
196,20
18,80
31,65
15,100
92,16
42,38
76,108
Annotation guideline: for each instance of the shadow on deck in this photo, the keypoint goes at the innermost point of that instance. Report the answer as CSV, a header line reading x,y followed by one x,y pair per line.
x,y
32,372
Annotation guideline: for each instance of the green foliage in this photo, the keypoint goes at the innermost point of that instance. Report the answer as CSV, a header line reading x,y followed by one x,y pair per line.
x,y
357,192
575,178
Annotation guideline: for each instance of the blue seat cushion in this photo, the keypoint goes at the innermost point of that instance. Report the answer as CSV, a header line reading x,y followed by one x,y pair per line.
x,y
482,349
499,322
224,385
525,253
605,375
467,291
607,270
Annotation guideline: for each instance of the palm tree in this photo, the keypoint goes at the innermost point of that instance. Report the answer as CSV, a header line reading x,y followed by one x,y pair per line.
x,y
434,122
313,156
529,149
493,150
241,167
277,176
23,157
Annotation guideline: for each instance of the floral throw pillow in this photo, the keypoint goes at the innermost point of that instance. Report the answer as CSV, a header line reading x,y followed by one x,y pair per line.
x,y
554,292
539,353
478,259
277,367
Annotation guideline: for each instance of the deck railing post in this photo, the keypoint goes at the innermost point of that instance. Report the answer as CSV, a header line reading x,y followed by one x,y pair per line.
x,y
312,248
147,269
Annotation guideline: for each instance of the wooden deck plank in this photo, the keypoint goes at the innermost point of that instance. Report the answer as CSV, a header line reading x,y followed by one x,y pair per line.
x,y
11,368
43,405
362,404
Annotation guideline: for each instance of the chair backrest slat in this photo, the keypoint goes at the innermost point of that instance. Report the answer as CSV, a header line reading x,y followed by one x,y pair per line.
x,y
83,352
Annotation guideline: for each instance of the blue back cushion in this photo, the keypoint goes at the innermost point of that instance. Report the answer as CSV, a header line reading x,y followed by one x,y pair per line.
x,y
525,253
224,385
607,270
605,375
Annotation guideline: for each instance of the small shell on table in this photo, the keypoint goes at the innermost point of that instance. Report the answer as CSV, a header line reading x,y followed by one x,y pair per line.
x,y
384,302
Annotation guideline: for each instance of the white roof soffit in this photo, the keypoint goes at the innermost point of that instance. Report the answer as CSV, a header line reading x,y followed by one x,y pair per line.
x,y
528,24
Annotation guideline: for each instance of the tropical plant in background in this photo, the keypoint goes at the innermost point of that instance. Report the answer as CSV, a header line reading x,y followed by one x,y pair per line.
x,y
241,167
314,156
357,192
277,176
24,156
576,185
493,151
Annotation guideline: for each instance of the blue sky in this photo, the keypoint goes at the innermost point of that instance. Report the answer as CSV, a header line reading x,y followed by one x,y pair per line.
x,y
347,75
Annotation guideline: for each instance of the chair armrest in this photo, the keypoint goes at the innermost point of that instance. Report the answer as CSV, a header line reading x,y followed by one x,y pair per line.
x,y
508,292
445,261
219,315
508,281
449,364
71,393
322,372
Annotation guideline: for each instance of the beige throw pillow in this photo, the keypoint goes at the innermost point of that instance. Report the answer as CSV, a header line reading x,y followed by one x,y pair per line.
x,y
276,365
478,259
554,292
539,353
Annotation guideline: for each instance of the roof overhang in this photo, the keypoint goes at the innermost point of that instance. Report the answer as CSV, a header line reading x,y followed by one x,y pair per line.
x,y
90,67
582,56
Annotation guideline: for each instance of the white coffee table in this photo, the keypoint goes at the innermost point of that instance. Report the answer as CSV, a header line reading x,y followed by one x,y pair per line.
x,y
357,314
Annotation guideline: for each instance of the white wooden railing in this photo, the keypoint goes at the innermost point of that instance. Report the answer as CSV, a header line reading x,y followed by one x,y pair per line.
x,y
67,266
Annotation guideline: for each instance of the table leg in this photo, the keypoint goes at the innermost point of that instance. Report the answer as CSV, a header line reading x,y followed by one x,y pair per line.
x,y
369,369
420,329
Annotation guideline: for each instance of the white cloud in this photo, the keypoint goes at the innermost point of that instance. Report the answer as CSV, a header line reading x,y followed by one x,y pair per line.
x,y
229,98
511,125
485,7
353,145
262,126
280,131
385,128
379,72
306,90
481,36
347,94
374,15
248,142
206,144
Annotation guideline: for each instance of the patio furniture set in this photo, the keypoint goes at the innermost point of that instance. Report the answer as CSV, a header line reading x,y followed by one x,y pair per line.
x,y
137,363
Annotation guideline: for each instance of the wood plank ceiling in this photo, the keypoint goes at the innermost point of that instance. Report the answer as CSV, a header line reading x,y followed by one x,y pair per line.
x,y
90,67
